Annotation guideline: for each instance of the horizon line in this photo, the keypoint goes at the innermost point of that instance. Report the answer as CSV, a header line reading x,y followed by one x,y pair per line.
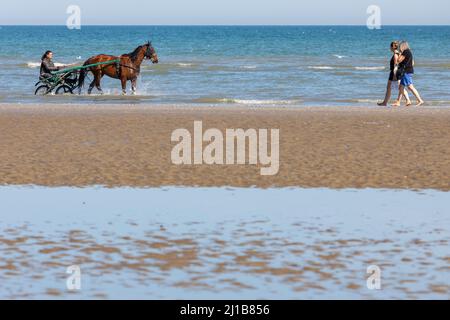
x,y
225,25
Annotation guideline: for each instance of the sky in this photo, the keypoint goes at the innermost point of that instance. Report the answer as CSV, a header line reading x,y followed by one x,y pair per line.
x,y
225,12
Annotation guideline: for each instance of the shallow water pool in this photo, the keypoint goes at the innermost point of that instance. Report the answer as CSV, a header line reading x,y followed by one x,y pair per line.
x,y
223,243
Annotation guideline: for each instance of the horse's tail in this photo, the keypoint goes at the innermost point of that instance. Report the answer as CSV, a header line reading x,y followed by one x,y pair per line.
x,y
82,77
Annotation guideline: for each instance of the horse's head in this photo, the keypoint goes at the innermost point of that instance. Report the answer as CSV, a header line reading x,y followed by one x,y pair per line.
x,y
150,53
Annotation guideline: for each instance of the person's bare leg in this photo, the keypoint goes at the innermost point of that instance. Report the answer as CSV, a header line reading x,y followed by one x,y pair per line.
x,y
401,93
387,96
416,94
408,101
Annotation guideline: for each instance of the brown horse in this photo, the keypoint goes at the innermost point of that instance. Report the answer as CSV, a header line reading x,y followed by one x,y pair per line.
x,y
126,69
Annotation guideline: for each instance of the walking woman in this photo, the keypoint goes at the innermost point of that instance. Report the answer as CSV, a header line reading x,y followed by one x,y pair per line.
x,y
393,75
405,74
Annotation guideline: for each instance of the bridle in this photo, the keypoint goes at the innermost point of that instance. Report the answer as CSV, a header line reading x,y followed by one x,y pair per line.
x,y
149,52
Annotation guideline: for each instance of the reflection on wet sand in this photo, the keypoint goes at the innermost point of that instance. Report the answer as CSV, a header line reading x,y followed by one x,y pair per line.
x,y
222,260
248,256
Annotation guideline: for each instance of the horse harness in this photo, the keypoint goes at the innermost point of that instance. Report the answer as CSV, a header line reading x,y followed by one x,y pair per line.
x,y
118,64
118,69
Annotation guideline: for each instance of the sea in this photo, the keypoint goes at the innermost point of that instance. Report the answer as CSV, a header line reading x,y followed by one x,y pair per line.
x,y
226,65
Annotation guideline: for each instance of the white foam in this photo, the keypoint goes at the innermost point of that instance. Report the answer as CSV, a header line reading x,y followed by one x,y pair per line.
x,y
182,64
33,64
321,67
261,102
369,68
38,64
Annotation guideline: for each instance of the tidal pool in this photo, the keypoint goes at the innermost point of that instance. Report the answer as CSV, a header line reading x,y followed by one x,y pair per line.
x,y
223,243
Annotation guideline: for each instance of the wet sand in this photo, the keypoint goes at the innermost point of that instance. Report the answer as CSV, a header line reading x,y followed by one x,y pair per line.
x,y
223,243
126,145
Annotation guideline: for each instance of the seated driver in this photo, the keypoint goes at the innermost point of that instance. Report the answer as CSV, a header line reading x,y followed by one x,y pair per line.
x,y
47,65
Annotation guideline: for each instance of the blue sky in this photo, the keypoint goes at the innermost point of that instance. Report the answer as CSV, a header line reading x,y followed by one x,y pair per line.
x,y
347,12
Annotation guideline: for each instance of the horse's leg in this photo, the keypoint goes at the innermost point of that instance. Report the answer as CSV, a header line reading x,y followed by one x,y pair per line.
x,y
91,86
133,86
123,80
97,82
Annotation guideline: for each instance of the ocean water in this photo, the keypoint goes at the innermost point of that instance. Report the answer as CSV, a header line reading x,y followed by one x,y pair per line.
x,y
259,65
223,243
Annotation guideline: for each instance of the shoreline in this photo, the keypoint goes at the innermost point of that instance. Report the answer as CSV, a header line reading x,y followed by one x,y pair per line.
x,y
129,146
17,106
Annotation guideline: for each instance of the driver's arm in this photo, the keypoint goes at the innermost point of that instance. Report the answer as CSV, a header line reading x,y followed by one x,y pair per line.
x,y
49,68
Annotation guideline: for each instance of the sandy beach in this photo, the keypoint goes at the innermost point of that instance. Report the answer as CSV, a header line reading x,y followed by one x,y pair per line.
x,y
200,229
126,145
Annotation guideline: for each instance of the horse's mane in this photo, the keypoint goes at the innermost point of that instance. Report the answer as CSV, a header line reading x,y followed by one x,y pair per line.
x,y
133,55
